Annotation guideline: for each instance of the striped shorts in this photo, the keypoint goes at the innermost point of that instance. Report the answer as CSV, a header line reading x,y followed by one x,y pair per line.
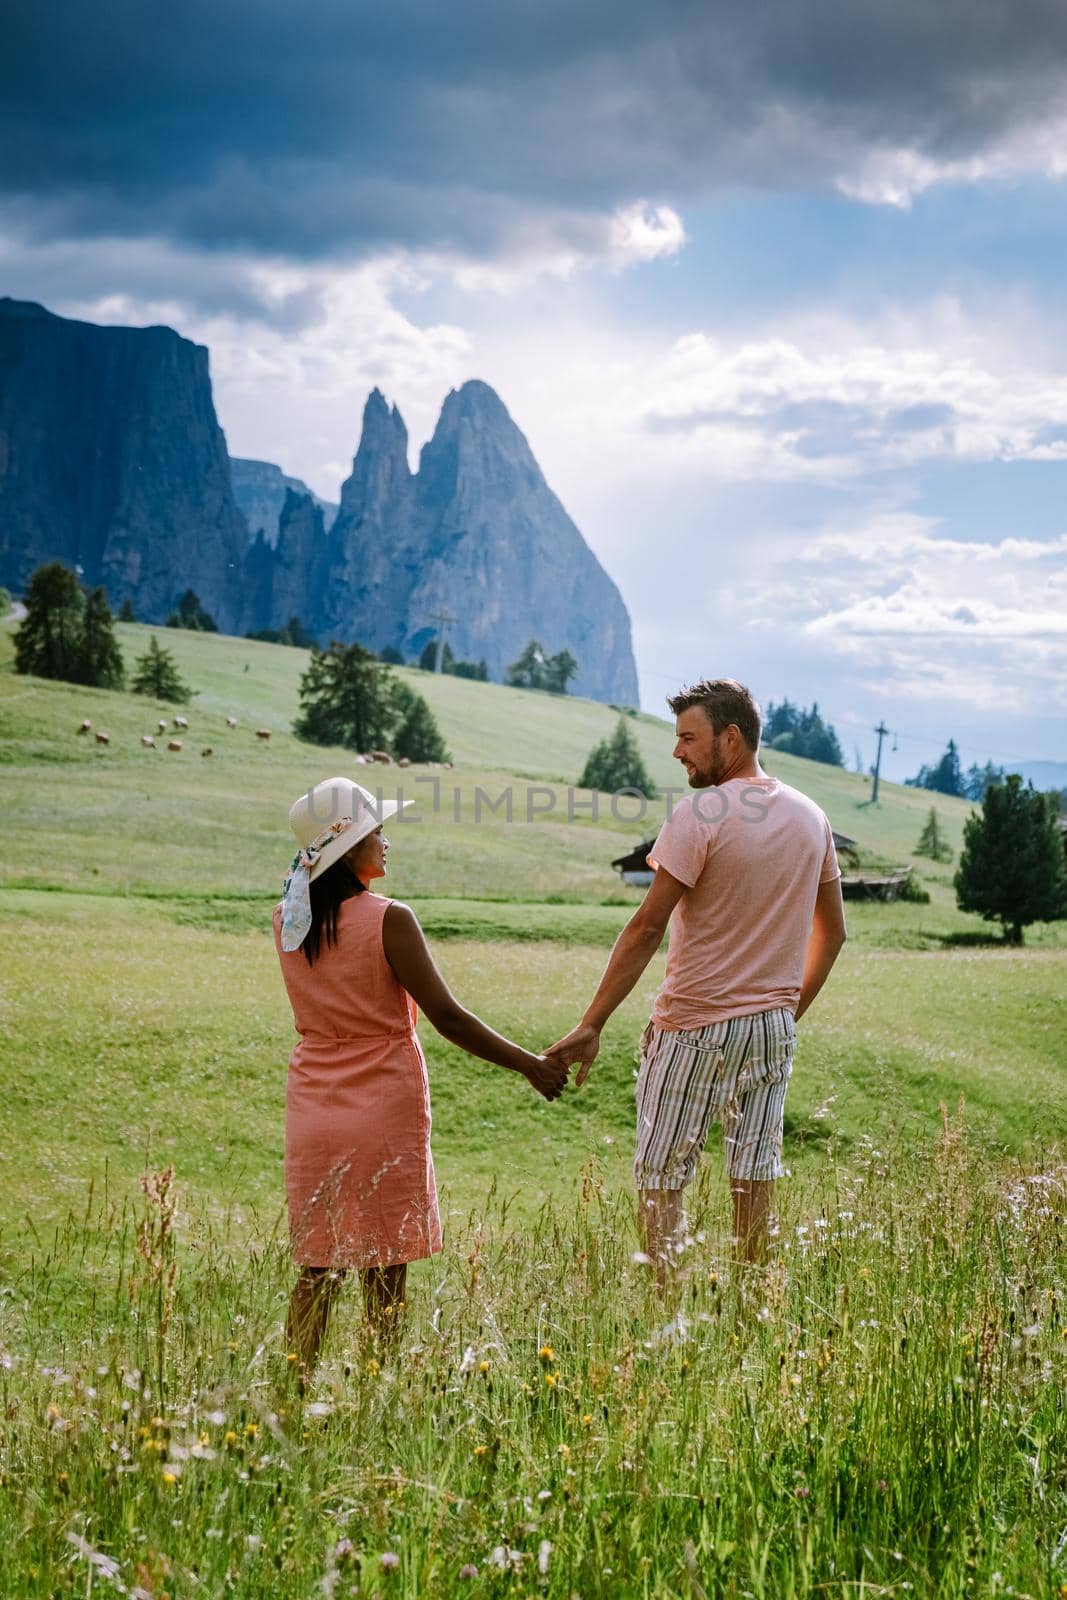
x,y
736,1071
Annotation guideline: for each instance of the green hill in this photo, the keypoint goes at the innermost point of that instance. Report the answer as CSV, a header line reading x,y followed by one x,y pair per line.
x,y
489,728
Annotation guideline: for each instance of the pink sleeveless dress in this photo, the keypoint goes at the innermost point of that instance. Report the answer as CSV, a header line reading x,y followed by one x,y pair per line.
x,y
359,1176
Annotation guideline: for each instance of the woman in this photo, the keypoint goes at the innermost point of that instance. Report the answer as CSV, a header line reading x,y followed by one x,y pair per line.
x,y
359,1176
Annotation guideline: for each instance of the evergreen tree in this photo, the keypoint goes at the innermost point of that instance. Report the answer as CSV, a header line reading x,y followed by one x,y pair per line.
x,y
527,672
347,697
932,841
49,639
416,736
156,674
478,671
100,659
126,612
428,658
391,656
557,672
616,763
1012,868
5,601
978,779
800,732
191,614
944,778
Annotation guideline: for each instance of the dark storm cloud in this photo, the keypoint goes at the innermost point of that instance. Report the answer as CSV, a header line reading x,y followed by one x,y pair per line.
x,y
341,126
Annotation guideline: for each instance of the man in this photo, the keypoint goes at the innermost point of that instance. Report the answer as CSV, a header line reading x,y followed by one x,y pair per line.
x,y
747,877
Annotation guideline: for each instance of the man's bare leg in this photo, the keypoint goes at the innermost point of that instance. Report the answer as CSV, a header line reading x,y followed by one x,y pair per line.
x,y
659,1215
752,1207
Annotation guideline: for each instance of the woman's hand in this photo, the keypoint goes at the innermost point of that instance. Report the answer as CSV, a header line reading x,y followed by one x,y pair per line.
x,y
547,1074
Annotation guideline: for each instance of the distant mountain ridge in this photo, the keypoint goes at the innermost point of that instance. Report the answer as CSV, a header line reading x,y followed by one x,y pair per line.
x,y
259,489
112,460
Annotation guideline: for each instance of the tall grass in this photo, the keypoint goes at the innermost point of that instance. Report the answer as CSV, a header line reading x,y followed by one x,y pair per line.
x,y
877,1412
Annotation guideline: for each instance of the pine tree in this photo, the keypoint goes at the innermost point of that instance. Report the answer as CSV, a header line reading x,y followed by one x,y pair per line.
x,y
100,659
945,778
1012,868
932,842
347,697
616,764
417,736
557,672
156,675
192,615
49,639
428,658
126,612
527,672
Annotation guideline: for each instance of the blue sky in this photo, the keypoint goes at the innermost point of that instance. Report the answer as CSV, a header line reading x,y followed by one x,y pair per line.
x,y
775,294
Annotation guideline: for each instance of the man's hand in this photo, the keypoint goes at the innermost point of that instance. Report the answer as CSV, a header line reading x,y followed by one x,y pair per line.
x,y
581,1044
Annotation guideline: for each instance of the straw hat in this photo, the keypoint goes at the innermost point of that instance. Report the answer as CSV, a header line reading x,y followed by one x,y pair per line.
x,y
335,815
327,822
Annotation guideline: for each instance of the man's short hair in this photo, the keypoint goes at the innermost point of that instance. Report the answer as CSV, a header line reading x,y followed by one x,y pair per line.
x,y
724,701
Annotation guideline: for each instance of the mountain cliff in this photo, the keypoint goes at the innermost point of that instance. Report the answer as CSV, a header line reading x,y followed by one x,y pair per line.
x,y
259,488
112,460
477,535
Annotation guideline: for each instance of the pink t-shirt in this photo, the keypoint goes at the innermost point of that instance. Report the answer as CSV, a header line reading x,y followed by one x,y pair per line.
x,y
752,854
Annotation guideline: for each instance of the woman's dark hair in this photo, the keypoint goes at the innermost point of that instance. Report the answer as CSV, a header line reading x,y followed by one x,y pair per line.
x,y
328,893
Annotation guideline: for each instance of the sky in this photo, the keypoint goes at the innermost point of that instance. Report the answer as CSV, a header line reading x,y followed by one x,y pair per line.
x,y
775,292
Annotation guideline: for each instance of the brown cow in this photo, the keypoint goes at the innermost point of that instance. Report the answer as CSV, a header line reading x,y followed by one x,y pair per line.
x,y
174,744
262,733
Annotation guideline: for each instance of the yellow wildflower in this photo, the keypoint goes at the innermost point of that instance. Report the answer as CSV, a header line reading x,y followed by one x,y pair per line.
x,y
551,1378
170,1477
373,1368
481,1450
230,1437
483,1366
587,1419
252,1429
547,1353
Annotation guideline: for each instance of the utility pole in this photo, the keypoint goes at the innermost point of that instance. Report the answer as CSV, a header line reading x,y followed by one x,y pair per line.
x,y
883,732
444,619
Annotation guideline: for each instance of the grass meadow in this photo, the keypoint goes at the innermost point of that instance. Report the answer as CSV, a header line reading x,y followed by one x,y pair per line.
x,y
878,1412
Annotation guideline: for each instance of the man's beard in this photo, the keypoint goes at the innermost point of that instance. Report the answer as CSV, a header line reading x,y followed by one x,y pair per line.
x,y
709,777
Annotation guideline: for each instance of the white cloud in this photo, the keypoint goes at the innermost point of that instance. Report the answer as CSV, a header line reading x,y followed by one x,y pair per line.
x,y
897,175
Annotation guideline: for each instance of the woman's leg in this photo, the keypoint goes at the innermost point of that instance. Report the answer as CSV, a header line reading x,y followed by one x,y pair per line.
x,y
383,1295
309,1312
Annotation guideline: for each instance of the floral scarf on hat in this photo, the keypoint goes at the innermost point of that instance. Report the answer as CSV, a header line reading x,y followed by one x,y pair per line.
x,y
296,891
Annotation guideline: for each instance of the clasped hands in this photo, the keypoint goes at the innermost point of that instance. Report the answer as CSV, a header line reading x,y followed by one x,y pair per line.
x,y
581,1045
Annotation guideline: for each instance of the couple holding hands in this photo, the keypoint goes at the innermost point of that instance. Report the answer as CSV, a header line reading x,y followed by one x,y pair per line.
x,y
746,878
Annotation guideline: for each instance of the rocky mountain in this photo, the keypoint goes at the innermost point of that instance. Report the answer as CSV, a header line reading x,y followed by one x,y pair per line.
x,y
112,460
476,534
259,487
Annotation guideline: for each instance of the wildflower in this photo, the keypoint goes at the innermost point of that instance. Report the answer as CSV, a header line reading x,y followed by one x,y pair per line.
x,y
389,1560
481,1450
883,1488
469,1570
543,1552
292,1358
231,1344
230,1438
344,1550
483,1366
564,1450
252,1428
373,1367
802,1491
551,1378
587,1419
170,1478
546,1353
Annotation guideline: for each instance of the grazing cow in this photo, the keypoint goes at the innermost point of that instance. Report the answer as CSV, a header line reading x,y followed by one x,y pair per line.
x,y
162,726
361,761
262,733
174,744
231,722
208,750
180,722
403,762
382,756
148,741
103,738
86,726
